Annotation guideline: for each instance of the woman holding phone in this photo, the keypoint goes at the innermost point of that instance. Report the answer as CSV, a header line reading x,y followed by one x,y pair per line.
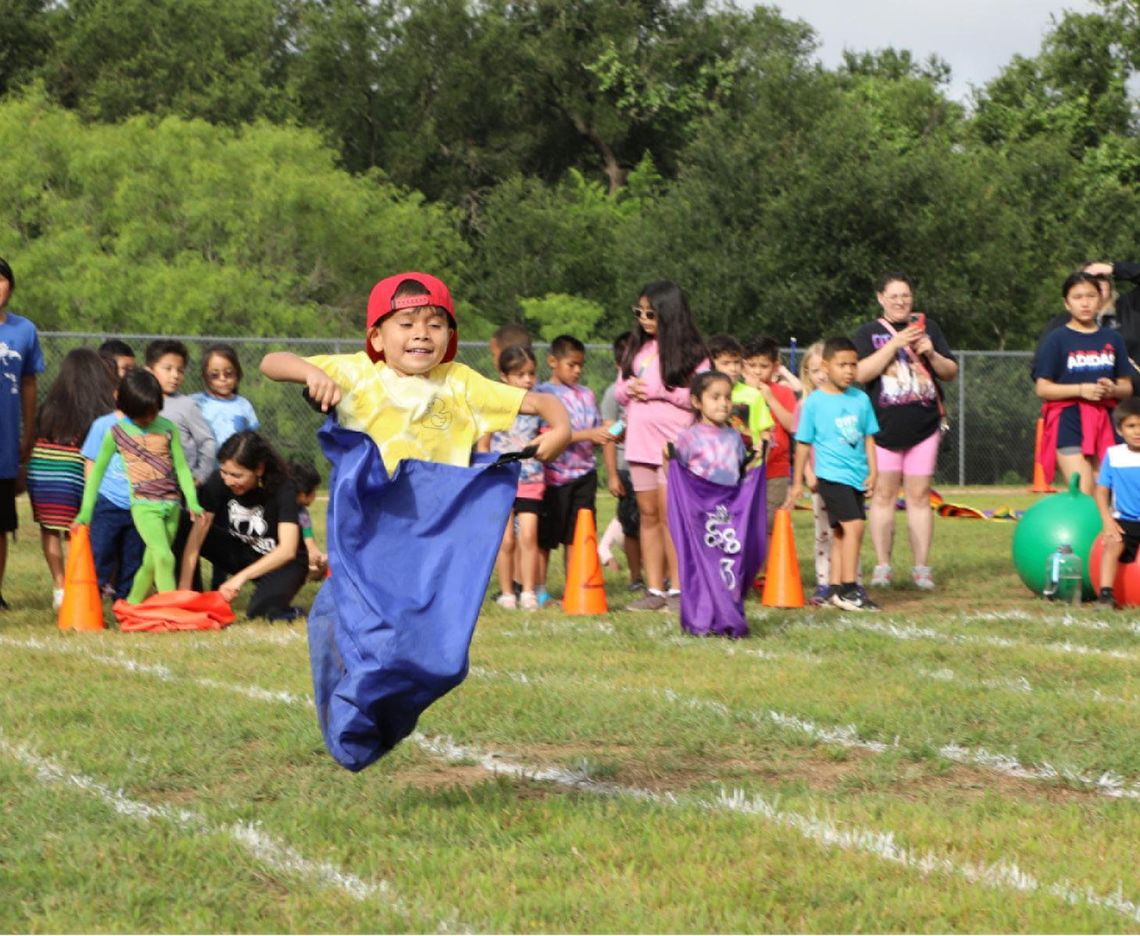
x,y
902,357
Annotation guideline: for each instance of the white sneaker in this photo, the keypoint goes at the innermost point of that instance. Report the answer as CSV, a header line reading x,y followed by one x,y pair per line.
x,y
507,601
56,599
528,601
881,577
922,578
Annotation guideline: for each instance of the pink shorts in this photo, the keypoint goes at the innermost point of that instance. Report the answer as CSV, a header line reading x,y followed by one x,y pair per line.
x,y
915,462
646,477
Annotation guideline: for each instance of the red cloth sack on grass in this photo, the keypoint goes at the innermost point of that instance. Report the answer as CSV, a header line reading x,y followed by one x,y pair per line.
x,y
175,611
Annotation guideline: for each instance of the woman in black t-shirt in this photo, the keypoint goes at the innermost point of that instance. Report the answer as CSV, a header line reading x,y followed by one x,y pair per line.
x,y
248,528
902,356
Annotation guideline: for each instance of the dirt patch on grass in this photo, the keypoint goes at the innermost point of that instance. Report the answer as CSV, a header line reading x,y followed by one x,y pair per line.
x,y
818,770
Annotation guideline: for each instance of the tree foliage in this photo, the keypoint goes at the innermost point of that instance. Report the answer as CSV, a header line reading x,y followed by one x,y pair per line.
x,y
190,228
254,165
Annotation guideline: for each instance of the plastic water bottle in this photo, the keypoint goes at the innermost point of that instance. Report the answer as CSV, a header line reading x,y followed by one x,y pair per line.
x,y
1063,576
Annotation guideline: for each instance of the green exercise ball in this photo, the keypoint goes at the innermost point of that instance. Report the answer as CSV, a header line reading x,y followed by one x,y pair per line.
x,y
1068,517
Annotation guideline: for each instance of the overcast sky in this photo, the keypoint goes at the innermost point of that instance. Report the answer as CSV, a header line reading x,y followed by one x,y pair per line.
x,y
977,37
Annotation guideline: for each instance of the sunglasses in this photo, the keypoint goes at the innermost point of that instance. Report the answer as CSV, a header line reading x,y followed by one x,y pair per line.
x,y
648,314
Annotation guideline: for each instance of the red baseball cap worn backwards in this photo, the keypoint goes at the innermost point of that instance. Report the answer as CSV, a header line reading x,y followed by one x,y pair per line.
x,y
381,303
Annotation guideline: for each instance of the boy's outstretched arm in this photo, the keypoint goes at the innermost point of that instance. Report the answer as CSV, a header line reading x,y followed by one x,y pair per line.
x,y
286,366
551,443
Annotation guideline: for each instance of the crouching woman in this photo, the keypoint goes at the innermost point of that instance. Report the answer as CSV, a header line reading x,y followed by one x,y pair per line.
x,y
248,529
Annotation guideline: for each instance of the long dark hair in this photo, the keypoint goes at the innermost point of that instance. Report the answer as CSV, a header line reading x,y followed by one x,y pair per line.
x,y
680,347
250,450
83,391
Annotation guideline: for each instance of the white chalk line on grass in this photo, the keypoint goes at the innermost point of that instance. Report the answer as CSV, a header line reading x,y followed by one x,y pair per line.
x,y
1051,620
848,736
83,652
263,847
1023,686
898,631
1001,875
1106,784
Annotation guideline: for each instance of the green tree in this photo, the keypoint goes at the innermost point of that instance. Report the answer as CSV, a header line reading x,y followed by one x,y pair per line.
x,y
184,227
222,60
559,314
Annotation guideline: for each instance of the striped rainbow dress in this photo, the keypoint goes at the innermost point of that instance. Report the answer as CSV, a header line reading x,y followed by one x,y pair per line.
x,y
55,483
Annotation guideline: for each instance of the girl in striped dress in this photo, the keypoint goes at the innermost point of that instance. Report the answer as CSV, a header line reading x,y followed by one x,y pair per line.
x,y
83,391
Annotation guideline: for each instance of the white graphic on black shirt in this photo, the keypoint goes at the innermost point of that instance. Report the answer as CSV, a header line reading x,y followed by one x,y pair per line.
x,y
248,525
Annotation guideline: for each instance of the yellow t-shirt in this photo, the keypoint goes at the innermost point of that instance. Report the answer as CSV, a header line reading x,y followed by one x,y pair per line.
x,y
759,415
433,418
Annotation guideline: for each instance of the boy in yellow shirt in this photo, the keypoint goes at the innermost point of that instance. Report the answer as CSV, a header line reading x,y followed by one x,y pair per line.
x,y
411,547
406,392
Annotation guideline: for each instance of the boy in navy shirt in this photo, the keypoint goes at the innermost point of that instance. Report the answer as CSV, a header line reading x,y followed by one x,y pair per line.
x,y
838,425
20,360
1118,496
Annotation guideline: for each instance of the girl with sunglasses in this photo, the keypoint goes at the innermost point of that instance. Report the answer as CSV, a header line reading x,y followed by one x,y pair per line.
x,y
664,353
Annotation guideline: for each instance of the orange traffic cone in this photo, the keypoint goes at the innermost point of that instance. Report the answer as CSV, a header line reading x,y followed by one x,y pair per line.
x,y
82,607
783,587
585,588
1039,485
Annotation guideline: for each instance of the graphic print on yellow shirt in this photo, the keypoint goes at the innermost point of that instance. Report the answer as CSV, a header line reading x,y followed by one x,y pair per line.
x,y
433,418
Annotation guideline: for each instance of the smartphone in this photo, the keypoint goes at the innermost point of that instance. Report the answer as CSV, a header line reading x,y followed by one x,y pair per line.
x,y
919,319
617,428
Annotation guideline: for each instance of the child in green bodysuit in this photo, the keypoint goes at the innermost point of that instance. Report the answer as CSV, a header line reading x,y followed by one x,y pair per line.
x,y
156,469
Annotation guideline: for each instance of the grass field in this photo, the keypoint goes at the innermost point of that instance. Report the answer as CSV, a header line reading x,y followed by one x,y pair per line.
x,y
964,760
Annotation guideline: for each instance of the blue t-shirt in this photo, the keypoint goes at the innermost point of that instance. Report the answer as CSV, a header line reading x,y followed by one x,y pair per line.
x,y
1072,357
1120,473
836,425
20,357
114,487
226,417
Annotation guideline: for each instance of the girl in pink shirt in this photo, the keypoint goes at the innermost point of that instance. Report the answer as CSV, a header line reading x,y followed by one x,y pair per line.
x,y
663,354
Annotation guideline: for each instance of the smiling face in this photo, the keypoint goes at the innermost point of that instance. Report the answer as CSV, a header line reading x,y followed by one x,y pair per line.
x,y
896,300
412,340
1083,300
239,479
170,369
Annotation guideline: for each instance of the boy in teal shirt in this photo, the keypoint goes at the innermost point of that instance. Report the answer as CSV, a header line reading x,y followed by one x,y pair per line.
x,y
838,425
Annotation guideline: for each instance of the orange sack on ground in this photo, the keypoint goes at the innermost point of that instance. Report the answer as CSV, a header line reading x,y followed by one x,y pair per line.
x,y
175,611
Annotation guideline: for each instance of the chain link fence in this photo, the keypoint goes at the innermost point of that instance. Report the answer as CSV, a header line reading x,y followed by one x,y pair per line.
x,y
991,407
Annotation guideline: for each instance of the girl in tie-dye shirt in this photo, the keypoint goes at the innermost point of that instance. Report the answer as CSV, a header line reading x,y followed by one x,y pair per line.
x,y
517,368
711,448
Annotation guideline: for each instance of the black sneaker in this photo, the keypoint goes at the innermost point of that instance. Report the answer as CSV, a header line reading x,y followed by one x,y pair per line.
x,y
1106,599
854,600
637,585
4,605
288,614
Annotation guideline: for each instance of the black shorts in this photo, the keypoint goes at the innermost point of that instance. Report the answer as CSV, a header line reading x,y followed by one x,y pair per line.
x,y
1069,428
8,521
843,502
627,513
530,505
1131,530
560,506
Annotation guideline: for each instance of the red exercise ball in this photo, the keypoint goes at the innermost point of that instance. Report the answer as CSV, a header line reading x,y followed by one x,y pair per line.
x,y
1126,588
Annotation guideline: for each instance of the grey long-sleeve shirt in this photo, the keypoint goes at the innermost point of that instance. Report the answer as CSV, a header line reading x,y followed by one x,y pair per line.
x,y
197,437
